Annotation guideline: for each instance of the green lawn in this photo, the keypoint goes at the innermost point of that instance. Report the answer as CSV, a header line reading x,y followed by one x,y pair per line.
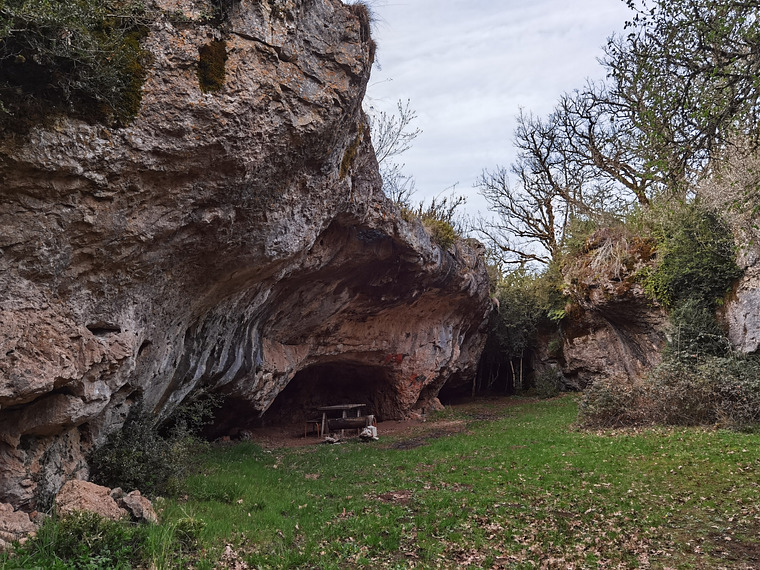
x,y
518,488
518,491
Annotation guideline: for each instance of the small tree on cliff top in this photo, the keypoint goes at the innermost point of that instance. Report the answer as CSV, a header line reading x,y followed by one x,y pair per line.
x,y
393,135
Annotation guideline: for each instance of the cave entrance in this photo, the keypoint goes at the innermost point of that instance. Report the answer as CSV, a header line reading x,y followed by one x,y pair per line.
x,y
329,384
455,390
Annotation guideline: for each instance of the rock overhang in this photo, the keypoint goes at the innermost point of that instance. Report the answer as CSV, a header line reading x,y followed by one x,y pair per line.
x,y
222,241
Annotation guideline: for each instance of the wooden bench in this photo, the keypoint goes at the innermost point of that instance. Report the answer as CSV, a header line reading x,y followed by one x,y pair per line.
x,y
356,423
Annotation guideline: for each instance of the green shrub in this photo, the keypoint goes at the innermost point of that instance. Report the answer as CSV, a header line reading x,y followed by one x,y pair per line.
x,y
81,58
138,457
151,457
439,218
187,532
83,540
547,383
694,270
695,330
696,257
442,232
86,541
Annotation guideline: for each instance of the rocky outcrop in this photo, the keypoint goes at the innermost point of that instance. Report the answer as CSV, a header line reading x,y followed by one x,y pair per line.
x,y
612,328
742,312
235,241
624,336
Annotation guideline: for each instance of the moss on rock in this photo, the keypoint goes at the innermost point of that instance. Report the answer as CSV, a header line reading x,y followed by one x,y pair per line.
x,y
212,66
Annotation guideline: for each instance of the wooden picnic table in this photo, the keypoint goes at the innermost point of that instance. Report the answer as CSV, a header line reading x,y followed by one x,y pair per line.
x,y
343,408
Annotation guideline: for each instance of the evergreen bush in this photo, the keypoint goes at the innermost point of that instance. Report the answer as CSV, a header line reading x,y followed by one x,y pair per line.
x,y
695,256
153,457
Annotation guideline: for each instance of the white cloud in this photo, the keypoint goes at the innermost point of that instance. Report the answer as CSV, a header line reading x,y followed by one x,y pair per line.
x,y
469,65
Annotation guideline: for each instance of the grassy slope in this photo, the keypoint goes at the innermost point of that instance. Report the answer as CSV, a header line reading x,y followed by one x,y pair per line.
x,y
512,492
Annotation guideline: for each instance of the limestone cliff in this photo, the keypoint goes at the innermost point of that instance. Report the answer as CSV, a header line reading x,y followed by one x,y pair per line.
x,y
612,328
235,240
742,312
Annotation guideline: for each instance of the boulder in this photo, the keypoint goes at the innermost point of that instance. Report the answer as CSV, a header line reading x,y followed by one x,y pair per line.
x,y
14,525
77,496
139,507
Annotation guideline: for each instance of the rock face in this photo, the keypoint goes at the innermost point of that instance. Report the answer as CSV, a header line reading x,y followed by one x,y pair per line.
x,y
624,336
613,329
742,312
236,241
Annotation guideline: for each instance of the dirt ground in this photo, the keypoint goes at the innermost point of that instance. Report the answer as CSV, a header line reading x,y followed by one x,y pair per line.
x,y
403,434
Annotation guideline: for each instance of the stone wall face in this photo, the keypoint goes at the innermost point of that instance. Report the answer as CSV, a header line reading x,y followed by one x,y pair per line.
x,y
613,328
742,312
223,240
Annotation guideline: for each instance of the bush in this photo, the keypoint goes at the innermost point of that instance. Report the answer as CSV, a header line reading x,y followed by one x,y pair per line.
x,y
696,256
151,457
679,395
739,392
547,383
695,331
137,457
612,402
439,218
83,540
442,232
87,541
83,58
680,391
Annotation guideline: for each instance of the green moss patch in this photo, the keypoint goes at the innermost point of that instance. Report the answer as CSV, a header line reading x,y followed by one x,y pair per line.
x,y
351,152
212,66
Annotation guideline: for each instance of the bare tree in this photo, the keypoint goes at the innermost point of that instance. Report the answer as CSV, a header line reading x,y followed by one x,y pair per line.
x,y
393,135
605,148
549,189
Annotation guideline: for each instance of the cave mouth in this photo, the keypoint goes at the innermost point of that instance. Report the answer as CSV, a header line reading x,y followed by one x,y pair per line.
x,y
328,384
323,384
456,389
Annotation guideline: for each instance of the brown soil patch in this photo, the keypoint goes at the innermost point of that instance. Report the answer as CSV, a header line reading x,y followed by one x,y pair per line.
x,y
735,549
396,497
399,434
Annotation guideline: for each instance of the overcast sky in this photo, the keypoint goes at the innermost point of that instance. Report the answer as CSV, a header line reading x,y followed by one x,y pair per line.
x,y
468,66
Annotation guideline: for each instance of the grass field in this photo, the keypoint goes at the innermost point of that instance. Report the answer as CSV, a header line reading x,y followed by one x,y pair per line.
x,y
516,487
